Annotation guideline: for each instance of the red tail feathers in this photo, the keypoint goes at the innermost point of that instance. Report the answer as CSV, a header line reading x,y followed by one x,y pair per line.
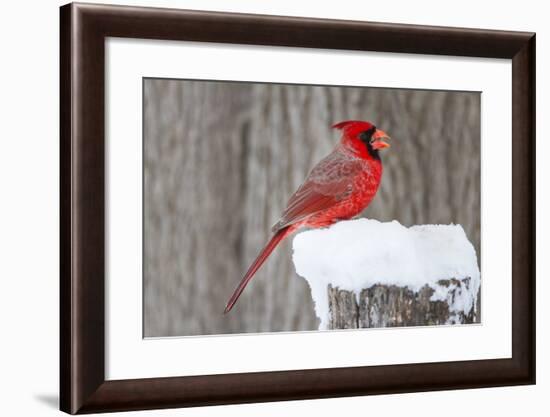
x,y
264,254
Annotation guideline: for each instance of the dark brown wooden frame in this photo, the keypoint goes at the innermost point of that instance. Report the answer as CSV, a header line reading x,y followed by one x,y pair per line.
x,y
84,29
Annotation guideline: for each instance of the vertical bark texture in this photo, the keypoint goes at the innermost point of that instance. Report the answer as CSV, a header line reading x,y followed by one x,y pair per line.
x,y
393,306
221,160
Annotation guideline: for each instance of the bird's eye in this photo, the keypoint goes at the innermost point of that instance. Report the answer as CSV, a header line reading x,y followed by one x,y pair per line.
x,y
366,136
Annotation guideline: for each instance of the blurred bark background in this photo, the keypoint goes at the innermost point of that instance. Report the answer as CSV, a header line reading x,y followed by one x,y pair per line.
x,y
221,160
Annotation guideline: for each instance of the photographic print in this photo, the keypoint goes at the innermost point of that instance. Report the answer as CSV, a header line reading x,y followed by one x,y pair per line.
x,y
278,207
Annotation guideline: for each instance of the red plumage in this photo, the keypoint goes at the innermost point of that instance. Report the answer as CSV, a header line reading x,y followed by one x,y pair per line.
x,y
339,187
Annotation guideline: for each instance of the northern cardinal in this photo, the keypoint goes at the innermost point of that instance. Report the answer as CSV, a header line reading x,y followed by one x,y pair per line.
x,y
339,187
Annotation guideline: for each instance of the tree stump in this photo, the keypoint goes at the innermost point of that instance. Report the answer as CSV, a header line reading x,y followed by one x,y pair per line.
x,y
366,273
393,306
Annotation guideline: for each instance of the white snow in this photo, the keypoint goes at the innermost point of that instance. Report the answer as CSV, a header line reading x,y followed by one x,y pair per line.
x,y
358,254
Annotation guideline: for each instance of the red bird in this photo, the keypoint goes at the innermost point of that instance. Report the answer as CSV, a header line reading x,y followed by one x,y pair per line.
x,y
339,187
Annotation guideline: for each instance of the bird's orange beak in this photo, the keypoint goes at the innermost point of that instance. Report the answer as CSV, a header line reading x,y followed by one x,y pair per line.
x,y
378,142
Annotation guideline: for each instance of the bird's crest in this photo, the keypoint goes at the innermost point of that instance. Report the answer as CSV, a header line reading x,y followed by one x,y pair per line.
x,y
343,124
353,126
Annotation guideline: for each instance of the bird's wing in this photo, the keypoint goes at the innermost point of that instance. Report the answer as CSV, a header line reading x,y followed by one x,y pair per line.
x,y
330,182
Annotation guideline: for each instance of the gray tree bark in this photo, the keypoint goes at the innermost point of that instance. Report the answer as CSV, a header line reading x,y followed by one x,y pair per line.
x,y
393,306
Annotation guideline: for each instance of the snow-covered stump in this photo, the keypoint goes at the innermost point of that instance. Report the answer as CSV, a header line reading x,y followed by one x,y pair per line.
x,y
364,273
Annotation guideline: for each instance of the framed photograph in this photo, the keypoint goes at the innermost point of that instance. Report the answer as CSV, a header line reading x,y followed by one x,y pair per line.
x,y
264,208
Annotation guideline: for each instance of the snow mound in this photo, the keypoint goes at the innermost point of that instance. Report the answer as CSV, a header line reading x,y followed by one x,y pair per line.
x,y
358,254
